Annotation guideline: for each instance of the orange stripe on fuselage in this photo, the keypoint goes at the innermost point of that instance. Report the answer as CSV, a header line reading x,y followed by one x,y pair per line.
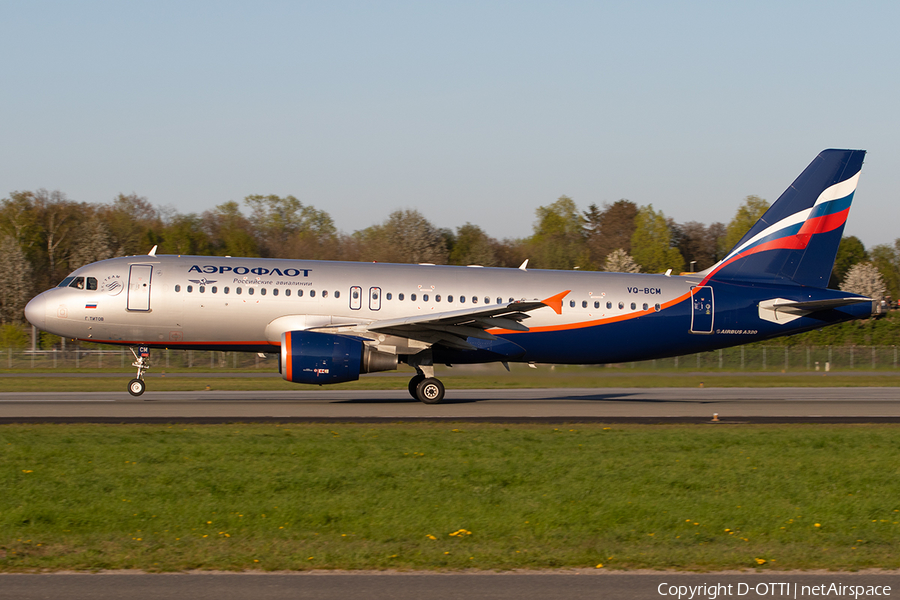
x,y
595,322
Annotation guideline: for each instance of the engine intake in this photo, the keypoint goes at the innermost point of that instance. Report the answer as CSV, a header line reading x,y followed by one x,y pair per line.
x,y
319,358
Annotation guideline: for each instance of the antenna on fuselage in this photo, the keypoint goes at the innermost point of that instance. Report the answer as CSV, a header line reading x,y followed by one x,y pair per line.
x,y
523,265
153,250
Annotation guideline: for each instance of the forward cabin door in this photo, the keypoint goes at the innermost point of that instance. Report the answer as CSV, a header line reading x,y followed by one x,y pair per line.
x,y
703,309
139,287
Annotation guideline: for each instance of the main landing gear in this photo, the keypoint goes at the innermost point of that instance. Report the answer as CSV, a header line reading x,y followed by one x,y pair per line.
x,y
137,386
424,387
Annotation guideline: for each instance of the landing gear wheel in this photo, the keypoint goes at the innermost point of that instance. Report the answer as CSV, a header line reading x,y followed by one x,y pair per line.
x,y
136,387
430,391
414,385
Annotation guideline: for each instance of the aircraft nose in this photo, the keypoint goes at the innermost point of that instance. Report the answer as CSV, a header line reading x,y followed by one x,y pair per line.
x,y
36,311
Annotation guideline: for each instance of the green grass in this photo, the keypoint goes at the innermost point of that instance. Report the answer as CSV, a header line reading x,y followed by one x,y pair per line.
x,y
376,497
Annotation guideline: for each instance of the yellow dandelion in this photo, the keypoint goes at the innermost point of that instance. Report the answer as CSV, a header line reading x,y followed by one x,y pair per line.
x,y
760,561
600,566
430,537
818,525
27,471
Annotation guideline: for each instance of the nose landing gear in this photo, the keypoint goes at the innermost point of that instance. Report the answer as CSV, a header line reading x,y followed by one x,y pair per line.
x,y
137,386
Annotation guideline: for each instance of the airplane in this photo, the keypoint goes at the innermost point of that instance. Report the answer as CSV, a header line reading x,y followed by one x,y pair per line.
x,y
330,322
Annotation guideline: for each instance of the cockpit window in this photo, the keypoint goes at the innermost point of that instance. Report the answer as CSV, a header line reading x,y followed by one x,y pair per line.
x,y
65,282
77,282
92,283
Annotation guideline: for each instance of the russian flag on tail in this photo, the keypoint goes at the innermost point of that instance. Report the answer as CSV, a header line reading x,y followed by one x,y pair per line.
x,y
796,240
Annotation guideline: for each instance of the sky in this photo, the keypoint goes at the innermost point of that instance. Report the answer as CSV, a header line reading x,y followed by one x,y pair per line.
x,y
465,111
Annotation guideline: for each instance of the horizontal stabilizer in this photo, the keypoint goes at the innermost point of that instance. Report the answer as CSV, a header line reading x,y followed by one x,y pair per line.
x,y
814,305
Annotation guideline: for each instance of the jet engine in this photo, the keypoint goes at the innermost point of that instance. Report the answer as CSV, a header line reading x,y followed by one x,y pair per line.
x,y
313,357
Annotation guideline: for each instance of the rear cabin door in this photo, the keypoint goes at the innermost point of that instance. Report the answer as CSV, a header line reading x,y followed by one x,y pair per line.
x,y
139,287
703,309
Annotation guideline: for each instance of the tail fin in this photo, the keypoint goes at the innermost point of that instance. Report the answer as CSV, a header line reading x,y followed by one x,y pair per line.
x,y
796,240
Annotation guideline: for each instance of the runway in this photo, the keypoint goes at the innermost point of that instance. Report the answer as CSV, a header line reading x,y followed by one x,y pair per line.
x,y
876,404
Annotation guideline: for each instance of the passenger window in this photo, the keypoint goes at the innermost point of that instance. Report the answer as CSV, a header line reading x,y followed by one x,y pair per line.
x,y
621,305
572,303
474,299
214,289
499,300
251,291
312,293
337,294
177,288
324,293
462,299
609,305
299,293
633,306
355,294
237,291
646,306
92,283
487,300
596,304
388,295
287,292
225,290
77,283
190,288
437,298
202,288
656,306
262,291
274,291
450,298
399,296
424,297
412,297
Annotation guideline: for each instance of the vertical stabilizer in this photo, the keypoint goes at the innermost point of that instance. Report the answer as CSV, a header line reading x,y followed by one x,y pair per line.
x,y
796,240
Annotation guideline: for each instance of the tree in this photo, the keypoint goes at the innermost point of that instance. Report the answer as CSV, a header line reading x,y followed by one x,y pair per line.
x,y
558,241
134,224
887,259
651,243
15,280
746,217
472,246
609,229
93,244
405,237
229,231
850,251
286,228
184,234
864,279
620,261
700,244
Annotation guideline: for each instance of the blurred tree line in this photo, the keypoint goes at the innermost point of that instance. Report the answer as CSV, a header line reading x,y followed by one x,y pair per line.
x,y
44,236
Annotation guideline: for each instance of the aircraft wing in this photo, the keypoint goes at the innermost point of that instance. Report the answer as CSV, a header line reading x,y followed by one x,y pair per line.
x,y
452,328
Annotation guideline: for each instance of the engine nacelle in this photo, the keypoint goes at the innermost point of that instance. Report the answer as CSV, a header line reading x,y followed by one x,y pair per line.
x,y
319,358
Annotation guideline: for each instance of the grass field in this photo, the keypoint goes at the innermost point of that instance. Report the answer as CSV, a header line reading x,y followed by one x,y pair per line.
x,y
448,497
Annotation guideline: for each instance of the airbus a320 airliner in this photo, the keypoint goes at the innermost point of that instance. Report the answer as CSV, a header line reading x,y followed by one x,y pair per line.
x,y
332,321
